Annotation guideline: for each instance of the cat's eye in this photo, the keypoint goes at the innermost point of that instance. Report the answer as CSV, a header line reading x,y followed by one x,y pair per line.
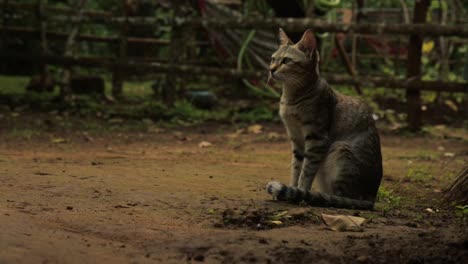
x,y
287,61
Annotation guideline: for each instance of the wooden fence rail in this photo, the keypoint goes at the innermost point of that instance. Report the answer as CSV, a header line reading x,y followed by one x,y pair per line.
x,y
122,65
293,24
151,68
29,32
301,24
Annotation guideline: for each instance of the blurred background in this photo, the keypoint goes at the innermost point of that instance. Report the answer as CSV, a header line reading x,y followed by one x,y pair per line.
x,y
185,62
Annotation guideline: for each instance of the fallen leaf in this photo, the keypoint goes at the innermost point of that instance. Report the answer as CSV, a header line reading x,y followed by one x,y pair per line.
x,y
156,130
59,140
343,222
280,215
255,129
451,105
273,136
276,222
204,144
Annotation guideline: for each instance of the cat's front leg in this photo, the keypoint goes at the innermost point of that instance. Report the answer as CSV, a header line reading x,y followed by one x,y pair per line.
x,y
296,162
315,149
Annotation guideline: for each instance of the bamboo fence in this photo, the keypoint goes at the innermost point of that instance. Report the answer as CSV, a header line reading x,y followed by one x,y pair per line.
x,y
182,63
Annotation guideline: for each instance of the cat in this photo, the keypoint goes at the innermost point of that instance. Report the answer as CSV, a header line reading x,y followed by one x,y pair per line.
x,y
334,138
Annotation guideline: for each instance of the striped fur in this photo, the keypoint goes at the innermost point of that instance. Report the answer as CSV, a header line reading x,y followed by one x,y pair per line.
x,y
334,141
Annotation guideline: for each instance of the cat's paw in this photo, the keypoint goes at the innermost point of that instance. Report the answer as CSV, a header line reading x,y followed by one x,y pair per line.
x,y
274,188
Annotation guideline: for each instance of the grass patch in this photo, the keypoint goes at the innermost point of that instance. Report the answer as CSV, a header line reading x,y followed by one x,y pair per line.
x,y
461,212
25,133
417,174
388,200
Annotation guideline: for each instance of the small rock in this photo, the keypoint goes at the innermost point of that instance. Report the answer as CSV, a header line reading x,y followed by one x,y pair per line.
x,y
204,144
69,207
429,210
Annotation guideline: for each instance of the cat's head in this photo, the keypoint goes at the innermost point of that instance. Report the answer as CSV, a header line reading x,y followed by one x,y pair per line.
x,y
295,63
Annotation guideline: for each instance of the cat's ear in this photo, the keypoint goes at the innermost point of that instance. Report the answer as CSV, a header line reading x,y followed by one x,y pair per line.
x,y
283,38
307,43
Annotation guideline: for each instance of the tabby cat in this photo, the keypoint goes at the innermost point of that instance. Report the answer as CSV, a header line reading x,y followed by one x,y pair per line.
x,y
333,136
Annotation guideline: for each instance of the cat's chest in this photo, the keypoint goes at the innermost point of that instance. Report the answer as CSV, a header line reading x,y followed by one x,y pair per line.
x,y
292,120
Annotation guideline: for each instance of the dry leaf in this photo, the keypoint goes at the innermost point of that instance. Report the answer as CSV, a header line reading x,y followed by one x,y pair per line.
x,y
276,222
204,144
343,222
449,154
451,105
59,140
273,136
255,129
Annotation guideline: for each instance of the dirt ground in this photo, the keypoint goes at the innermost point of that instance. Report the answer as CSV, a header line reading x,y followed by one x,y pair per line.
x,y
157,196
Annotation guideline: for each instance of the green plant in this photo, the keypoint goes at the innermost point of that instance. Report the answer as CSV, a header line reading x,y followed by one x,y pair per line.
x,y
388,199
418,174
461,212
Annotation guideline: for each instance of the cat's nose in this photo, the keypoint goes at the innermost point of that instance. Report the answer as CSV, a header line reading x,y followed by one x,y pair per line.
x,y
273,68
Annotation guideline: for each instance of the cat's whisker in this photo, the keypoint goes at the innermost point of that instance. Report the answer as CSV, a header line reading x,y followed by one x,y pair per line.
x,y
269,79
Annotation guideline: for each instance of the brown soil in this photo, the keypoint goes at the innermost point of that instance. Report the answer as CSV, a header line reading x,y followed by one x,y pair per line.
x,y
144,197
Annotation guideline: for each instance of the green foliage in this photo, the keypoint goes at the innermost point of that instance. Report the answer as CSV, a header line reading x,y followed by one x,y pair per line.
x,y
388,200
461,212
418,174
257,114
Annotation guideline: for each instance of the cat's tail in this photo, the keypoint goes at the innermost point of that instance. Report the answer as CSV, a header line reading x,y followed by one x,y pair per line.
x,y
290,194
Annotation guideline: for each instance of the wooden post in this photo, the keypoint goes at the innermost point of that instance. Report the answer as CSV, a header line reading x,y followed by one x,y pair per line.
x,y
176,51
65,90
345,59
117,76
42,23
413,67
4,24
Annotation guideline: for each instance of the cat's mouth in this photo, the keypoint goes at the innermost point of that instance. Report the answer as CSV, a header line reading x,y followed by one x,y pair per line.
x,y
275,77
272,79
